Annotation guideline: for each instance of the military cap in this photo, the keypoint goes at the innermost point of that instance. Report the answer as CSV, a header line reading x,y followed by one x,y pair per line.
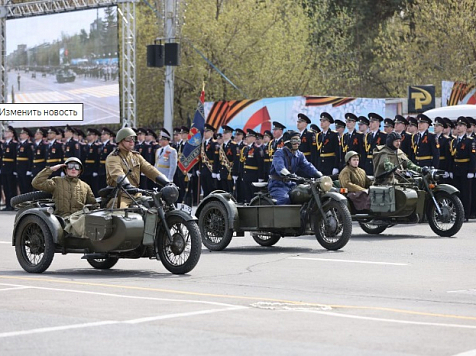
x,y
388,122
42,131
80,133
441,121
327,116
12,130
134,129
375,117
400,119
106,130
209,127
302,117
424,118
27,131
412,121
268,133
278,126
227,128
93,131
54,130
350,117
219,135
239,132
471,120
141,130
151,132
315,128
177,130
449,122
259,135
164,134
339,123
250,132
363,120
463,121
184,129
61,131
68,128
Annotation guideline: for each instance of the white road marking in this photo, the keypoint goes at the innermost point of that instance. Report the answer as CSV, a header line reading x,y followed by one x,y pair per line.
x,y
467,353
13,288
6,242
349,261
463,291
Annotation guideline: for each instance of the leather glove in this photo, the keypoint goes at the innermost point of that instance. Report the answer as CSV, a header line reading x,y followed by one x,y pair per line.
x,y
425,170
335,171
28,173
451,175
189,175
162,180
218,176
446,175
214,175
470,175
95,174
235,178
198,173
261,180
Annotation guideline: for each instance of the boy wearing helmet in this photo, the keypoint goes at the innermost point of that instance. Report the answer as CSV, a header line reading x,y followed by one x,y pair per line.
x,y
356,181
125,159
70,193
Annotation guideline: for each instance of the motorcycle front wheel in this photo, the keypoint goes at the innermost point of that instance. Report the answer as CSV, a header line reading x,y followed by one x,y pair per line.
x,y
333,230
452,214
180,255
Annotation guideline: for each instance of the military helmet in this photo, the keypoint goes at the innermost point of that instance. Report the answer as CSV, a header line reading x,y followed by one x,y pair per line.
x,y
123,133
73,160
349,155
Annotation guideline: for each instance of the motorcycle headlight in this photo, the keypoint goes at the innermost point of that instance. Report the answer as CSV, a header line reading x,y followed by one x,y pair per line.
x,y
325,183
170,194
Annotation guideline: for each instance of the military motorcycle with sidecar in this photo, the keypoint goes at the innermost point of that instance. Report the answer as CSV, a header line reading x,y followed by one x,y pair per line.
x,y
414,198
315,209
149,227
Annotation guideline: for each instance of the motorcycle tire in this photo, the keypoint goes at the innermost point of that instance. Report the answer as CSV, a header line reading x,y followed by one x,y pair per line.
x,y
182,254
103,263
264,238
453,213
372,229
34,246
29,197
215,226
336,235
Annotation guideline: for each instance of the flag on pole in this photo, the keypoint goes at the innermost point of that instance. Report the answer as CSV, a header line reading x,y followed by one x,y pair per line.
x,y
191,151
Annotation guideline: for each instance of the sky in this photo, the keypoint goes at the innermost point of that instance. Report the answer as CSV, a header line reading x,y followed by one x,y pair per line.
x,y
36,30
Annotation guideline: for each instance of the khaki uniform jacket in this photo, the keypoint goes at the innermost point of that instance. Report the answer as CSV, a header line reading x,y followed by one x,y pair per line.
x,y
385,159
119,162
69,194
354,179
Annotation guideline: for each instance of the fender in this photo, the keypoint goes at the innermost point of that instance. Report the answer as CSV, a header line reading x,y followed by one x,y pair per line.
x,y
182,214
334,196
50,219
445,188
227,200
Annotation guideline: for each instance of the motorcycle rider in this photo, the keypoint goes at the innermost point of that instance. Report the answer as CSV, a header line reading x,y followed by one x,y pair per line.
x,y
291,159
125,160
70,193
389,156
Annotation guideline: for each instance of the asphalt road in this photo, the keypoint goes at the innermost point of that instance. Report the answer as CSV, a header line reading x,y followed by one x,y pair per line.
x,y
405,292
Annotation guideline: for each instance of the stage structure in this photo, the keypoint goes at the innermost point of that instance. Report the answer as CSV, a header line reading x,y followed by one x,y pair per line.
x,y
126,12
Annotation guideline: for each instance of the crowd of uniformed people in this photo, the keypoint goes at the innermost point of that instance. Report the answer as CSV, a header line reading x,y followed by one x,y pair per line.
x,y
232,159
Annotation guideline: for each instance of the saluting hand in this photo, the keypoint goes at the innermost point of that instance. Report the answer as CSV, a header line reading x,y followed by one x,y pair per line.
x,y
58,166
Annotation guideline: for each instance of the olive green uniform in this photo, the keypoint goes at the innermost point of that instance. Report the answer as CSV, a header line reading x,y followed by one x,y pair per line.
x,y
385,159
354,179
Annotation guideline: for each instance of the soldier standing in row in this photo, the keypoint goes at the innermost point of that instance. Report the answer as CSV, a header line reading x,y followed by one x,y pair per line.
x,y
306,137
340,128
406,142
166,156
182,180
353,140
71,146
267,137
24,161
443,142
426,150
142,149
373,139
39,151
327,147
277,141
388,126
54,150
105,149
90,156
9,180
463,163
363,126
238,166
252,159
152,145
208,153
224,164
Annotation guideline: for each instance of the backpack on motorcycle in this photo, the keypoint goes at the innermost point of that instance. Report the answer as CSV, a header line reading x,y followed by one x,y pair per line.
x,y
382,198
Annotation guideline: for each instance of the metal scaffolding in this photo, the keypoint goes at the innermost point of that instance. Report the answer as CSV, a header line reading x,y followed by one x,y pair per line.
x,y
127,10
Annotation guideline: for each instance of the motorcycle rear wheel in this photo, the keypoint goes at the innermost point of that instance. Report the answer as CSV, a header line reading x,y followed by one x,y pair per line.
x,y
452,218
334,229
103,263
372,229
180,255
215,226
34,244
